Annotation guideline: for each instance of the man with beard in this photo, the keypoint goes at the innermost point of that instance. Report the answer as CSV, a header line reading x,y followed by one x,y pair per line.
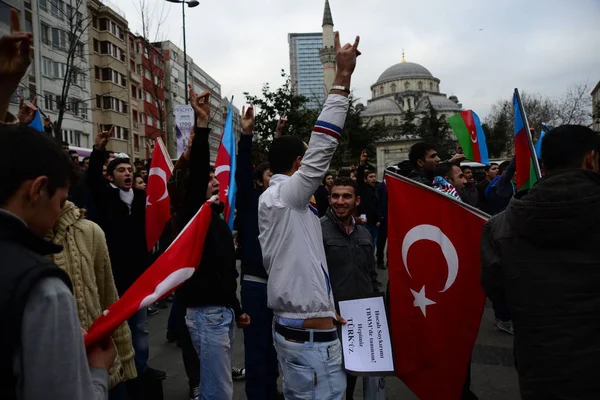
x,y
540,256
469,194
349,251
424,160
122,216
449,179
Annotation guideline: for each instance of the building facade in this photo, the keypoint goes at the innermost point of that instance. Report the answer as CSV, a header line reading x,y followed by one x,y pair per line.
x,y
327,53
109,63
25,13
204,82
306,70
596,107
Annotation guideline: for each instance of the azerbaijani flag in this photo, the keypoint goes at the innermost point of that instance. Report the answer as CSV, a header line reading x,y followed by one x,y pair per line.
x,y
225,168
528,169
467,127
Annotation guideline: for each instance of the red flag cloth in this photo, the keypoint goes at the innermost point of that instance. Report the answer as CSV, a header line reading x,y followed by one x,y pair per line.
x,y
436,300
158,202
176,265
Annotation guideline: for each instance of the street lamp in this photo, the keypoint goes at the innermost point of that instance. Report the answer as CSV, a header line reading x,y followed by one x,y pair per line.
x,y
191,4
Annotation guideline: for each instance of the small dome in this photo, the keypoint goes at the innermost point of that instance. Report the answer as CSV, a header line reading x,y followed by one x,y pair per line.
x,y
384,106
405,70
453,98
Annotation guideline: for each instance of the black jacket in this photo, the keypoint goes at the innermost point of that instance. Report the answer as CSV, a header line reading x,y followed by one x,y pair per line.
x,y
420,177
22,266
470,195
322,200
125,230
215,281
541,257
369,202
350,259
247,212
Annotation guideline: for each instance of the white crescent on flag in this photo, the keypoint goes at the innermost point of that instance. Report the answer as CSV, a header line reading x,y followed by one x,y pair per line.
x,y
222,168
163,175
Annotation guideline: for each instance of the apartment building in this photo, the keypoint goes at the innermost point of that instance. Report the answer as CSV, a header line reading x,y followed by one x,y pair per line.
x,y
203,82
109,63
136,97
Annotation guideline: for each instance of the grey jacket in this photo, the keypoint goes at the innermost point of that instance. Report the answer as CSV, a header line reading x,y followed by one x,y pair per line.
x,y
350,259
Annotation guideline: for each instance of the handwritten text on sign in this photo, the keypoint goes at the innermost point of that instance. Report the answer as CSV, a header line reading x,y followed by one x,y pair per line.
x,y
365,338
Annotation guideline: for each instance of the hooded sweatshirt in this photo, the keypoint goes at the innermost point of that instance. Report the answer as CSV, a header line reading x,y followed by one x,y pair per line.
x,y
85,259
541,256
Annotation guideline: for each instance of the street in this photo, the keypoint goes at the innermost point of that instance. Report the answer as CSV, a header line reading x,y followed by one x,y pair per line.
x,y
492,372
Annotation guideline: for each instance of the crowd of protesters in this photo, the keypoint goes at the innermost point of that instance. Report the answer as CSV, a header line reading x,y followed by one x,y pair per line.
x,y
72,239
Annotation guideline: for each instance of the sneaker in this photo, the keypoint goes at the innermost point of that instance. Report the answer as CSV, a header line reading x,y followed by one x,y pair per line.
x,y
152,311
238,374
157,373
195,393
505,326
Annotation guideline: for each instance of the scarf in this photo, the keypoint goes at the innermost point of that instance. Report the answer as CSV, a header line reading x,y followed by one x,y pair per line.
x,y
444,186
125,195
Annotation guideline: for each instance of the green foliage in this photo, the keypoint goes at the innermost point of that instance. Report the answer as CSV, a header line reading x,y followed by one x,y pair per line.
x,y
272,104
437,131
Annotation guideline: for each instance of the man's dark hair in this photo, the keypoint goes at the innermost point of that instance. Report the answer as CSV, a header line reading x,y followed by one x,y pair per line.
x,y
346,181
84,160
503,166
466,167
418,151
28,155
71,152
110,170
369,172
565,147
444,169
259,171
65,143
283,152
325,178
487,167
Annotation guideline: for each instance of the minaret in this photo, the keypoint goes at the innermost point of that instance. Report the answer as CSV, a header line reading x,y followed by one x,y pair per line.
x,y
327,53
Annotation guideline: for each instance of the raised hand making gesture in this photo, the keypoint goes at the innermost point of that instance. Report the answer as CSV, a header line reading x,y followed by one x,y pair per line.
x,y
27,111
280,125
346,63
247,120
103,138
201,105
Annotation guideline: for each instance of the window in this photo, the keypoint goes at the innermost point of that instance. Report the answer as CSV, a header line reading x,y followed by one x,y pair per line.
x,y
83,110
69,12
140,94
136,142
406,85
48,101
97,72
133,92
146,53
74,106
395,121
103,24
56,9
59,39
148,98
106,74
95,22
138,48
43,5
147,74
139,69
96,45
393,88
156,80
47,67
420,85
134,118
175,56
132,66
98,101
149,120
80,49
431,86
45,34
155,59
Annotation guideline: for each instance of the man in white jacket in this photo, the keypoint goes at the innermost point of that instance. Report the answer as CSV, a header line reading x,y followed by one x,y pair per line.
x,y
299,291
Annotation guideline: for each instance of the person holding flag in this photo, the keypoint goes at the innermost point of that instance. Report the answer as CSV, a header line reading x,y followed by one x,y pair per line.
x,y
540,256
210,294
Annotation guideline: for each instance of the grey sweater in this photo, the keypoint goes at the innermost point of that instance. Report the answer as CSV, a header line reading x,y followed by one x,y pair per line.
x,y
52,362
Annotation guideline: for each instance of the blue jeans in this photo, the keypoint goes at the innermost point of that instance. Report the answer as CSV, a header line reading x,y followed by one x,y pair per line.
x,y
212,332
374,231
262,370
311,370
139,339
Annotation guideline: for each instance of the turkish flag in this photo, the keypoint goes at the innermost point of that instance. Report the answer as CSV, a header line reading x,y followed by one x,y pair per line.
x,y
436,300
158,202
176,265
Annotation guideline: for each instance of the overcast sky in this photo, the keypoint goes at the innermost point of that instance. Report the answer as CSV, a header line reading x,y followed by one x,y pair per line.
x,y
479,49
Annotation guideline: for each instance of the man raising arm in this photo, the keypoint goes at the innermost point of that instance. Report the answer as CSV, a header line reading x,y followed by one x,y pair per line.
x,y
298,288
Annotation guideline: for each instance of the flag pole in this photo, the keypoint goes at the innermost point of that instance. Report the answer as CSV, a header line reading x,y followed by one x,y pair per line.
x,y
536,164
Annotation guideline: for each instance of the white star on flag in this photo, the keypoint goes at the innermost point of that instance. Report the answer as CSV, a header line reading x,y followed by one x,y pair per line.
x,y
421,300
227,191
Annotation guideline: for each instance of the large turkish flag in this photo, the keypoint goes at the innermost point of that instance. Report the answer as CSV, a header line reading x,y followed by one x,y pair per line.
x,y
436,300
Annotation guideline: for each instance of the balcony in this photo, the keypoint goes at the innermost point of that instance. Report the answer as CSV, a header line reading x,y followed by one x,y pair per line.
x,y
134,77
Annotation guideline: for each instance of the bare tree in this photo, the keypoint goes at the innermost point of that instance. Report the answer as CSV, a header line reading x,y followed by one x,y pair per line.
x,y
575,105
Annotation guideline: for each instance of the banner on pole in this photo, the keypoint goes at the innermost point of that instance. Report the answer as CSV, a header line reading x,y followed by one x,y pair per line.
x,y
184,122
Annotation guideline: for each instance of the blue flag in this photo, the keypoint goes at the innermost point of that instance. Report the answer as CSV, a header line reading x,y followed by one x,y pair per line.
x,y
37,123
225,167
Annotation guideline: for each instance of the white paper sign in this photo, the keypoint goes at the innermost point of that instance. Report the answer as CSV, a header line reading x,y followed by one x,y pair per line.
x,y
366,337
184,122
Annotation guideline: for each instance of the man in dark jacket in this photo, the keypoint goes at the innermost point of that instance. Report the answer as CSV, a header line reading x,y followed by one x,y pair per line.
x,y
501,189
369,205
349,251
469,194
541,257
262,369
210,294
322,194
122,216
424,159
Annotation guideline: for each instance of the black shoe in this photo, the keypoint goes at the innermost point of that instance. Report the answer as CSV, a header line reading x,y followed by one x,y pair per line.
x,y
238,374
171,337
194,393
156,373
152,311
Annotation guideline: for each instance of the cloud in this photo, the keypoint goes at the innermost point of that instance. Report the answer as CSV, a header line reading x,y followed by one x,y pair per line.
x,y
480,50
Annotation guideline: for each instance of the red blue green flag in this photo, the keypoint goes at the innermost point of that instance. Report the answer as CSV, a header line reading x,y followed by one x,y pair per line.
x,y
467,127
528,169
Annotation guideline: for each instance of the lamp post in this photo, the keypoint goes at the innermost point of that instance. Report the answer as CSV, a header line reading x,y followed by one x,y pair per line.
x,y
191,4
